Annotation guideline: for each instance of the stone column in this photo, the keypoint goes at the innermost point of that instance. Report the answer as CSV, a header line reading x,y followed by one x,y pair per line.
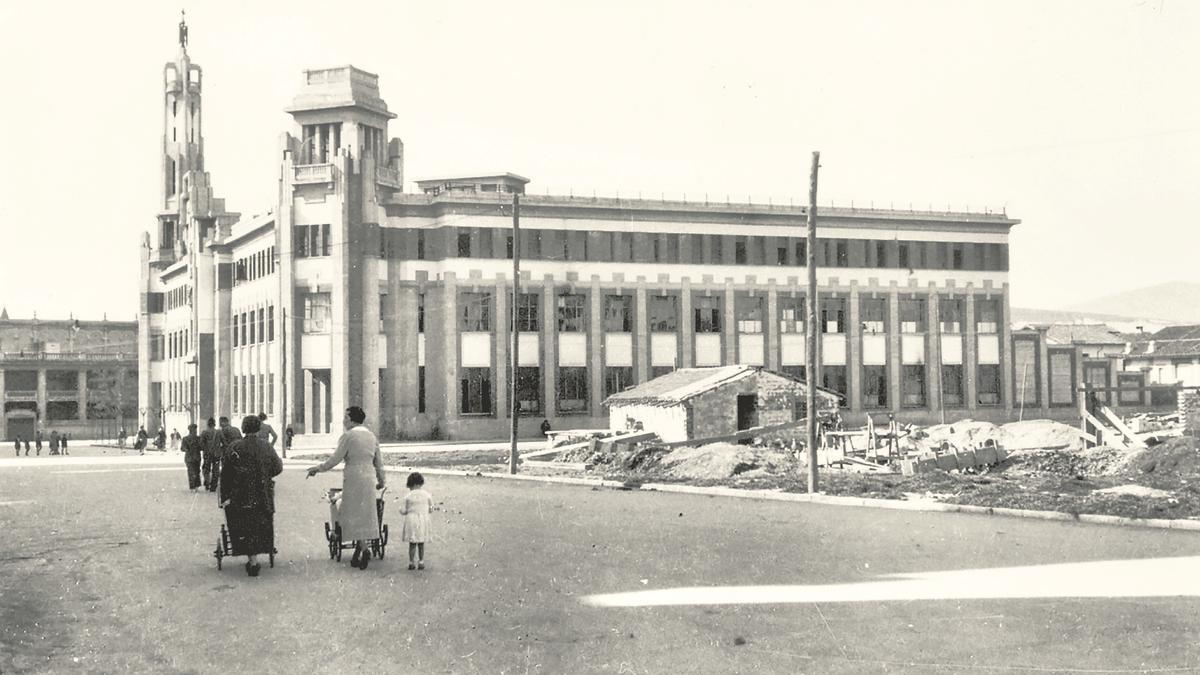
x,y
3,417
933,352
549,342
729,331
306,395
81,396
41,398
641,335
970,351
853,350
687,333
370,337
895,361
402,351
596,358
771,328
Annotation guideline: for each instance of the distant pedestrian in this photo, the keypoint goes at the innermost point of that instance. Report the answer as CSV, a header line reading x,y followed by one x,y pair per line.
x,y
193,449
266,431
63,440
54,442
160,439
37,442
175,439
210,446
417,505
26,448
545,427
121,436
142,437
17,445
287,440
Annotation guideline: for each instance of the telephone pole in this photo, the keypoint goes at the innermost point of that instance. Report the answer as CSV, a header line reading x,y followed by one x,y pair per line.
x,y
810,356
514,332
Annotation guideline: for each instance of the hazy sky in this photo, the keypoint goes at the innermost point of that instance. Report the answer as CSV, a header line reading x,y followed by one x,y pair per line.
x,y
1082,118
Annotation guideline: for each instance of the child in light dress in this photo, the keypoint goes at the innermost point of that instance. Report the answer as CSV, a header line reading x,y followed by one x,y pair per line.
x,y
417,505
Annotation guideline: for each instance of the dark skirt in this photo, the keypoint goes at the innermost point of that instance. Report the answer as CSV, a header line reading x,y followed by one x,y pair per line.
x,y
251,531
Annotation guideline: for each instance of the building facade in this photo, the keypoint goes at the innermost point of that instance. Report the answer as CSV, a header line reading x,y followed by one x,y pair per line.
x,y
75,377
352,291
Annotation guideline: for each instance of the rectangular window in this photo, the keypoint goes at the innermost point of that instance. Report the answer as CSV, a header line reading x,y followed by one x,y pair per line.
x,y
420,244
912,383
464,245
317,310
739,253
271,323
572,390
262,323
659,371
749,315
420,389
326,241
475,390
842,254
802,253
236,343
950,311
833,315
528,312
618,313
235,387
529,390
420,312
956,256
617,379
834,378
987,315
875,387
475,312
570,313
781,255
706,314
1062,378
1026,377
657,246
912,316
791,314
271,394
383,312
508,247
902,255
988,384
881,254
245,329
873,315
664,313
952,386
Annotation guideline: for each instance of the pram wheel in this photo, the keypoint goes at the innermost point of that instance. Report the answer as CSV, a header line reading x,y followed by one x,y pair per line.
x,y
383,538
337,542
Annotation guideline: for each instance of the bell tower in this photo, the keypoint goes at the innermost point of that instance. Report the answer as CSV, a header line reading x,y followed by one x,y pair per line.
x,y
183,143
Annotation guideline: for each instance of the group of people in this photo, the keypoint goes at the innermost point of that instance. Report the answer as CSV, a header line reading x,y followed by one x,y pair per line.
x,y
241,466
58,443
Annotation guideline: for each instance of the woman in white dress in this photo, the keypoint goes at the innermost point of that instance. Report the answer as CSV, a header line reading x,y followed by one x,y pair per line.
x,y
362,475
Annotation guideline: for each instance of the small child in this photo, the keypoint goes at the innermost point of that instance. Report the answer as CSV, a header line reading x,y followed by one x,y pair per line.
x,y
417,505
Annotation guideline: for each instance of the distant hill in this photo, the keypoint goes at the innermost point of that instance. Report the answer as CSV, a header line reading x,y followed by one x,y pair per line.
x,y
1175,302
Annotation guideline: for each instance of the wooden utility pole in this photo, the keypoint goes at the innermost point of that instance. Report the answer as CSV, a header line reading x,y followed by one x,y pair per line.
x,y
515,332
810,356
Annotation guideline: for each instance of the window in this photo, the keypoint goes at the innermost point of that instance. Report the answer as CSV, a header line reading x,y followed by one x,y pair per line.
x,y
988,384
834,378
659,371
529,390
420,244
951,311
312,241
987,315
796,372
245,329
317,310
1026,375
873,315
271,323
739,253
235,331
508,247
572,389
952,385
841,254
912,379
1062,377
912,316
235,388
902,256
617,379
956,256
420,389
383,312
262,324
881,256
749,315
802,253
706,315
791,314
657,250
475,390
664,313
833,315
528,312
420,312
271,394
464,245
474,312
618,313
570,313
875,387
781,255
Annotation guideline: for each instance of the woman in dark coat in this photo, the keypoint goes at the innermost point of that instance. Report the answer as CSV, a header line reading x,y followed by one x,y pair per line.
x,y
248,496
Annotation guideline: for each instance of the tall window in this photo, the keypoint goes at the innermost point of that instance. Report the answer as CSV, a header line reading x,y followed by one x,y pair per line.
x,y
420,389
312,241
475,390
912,316
873,315
913,385
952,385
528,311
617,379
987,315
802,253
875,387
664,313
707,314
749,315
317,310
988,384
834,378
739,253
271,323
618,313
572,390
529,390
475,312
262,324
902,255
841,254
881,254
245,328
833,315
420,244
464,245
791,314
570,313
950,314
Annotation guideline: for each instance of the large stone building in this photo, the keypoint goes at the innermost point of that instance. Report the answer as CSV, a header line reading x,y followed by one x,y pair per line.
x,y
77,377
352,291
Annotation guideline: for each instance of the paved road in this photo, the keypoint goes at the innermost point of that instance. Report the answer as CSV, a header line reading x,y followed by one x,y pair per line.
x,y
107,567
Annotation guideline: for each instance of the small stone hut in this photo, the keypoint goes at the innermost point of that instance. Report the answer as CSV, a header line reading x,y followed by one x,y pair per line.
x,y
695,403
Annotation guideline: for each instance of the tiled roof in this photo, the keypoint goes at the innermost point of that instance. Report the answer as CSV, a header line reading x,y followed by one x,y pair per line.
x,y
1086,334
1191,332
1166,348
684,383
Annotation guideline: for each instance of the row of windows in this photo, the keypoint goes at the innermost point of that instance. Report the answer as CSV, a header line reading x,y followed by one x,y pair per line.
x,y
179,297
254,266
254,326
178,394
171,345
698,249
312,241
253,394
475,313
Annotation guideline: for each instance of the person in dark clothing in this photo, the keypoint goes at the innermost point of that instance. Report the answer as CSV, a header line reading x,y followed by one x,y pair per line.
x,y
37,442
17,445
545,427
160,440
193,448
54,442
26,448
140,445
247,469
210,446
287,440
225,437
63,440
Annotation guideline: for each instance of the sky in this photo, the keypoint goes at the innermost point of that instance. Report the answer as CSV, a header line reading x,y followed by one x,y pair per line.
x,y
1081,118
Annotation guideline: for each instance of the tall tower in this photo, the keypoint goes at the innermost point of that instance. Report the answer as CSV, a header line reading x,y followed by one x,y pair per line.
x,y
182,141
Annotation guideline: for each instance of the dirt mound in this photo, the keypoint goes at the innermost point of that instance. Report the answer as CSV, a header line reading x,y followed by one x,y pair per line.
x,y
723,460
1175,456
1014,437
1039,434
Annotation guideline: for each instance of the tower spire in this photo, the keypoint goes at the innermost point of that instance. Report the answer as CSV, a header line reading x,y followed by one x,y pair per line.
x,y
183,30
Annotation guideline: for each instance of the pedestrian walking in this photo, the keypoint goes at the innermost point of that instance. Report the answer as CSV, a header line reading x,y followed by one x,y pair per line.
x,y
210,445
266,431
417,505
247,469
37,442
26,448
193,449
287,440
175,439
63,441
17,445
140,444
363,474
121,436
54,442
160,439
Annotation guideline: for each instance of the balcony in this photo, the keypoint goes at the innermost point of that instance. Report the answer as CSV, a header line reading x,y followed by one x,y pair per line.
x,y
67,356
388,177
313,173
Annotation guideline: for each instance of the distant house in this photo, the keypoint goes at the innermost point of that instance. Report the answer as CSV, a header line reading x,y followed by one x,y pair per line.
x,y
691,403
1097,340
1168,356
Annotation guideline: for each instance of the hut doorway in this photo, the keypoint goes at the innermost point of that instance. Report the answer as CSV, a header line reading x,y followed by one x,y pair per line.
x,y
747,411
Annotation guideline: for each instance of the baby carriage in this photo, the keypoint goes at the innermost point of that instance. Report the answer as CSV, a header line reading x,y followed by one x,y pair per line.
x,y
333,533
225,544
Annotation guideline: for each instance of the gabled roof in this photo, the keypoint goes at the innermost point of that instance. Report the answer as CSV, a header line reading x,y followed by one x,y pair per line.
x,y
1083,334
682,384
1189,332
